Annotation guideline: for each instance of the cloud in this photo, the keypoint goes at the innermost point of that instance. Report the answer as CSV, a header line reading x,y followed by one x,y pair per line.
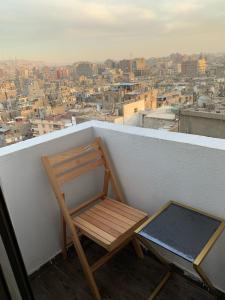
x,y
182,7
57,19
97,25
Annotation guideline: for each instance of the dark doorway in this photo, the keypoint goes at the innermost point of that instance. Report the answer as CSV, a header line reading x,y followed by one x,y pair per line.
x,y
17,284
4,291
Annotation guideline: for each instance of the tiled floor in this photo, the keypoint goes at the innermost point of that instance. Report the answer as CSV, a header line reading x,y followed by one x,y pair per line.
x,y
124,277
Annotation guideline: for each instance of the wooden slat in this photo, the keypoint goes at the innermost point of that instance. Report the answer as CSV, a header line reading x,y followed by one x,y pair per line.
x,y
126,208
137,247
73,163
111,222
96,222
55,159
72,226
106,181
63,232
86,203
107,256
115,183
79,171
160,286
116,215
111,218
93,236
128,233
90,227
120,212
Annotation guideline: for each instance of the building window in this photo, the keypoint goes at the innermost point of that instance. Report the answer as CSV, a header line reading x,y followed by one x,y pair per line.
x,y
135,110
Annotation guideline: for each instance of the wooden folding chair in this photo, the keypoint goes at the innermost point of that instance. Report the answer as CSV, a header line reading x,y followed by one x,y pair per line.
x,y
110,223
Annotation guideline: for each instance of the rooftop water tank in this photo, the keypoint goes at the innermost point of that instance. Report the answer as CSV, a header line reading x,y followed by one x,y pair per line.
x,y
203,101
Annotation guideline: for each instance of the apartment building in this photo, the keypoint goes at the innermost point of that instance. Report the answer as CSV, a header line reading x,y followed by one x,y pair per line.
x,y
50,124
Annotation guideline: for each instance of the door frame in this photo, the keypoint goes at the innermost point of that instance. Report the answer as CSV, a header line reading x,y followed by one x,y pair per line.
x,y
8,236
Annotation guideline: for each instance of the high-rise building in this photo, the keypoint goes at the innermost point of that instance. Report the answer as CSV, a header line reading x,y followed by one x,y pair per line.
x,y
125,65
110,63
84,68
189,68
139,66
62,73
202,65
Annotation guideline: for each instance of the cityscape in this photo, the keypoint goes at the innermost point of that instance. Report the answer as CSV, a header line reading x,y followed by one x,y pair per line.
x,y
112,143
182,93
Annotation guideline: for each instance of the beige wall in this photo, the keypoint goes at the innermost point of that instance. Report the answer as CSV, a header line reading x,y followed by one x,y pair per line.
x,y
150,99
130,112
130,108
118,120
45,126
57,110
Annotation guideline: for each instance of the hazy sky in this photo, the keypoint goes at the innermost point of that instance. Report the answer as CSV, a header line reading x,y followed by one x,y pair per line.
x,y
71,30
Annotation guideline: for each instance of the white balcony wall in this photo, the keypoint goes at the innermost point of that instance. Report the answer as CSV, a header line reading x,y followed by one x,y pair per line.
x,y
153,167
28,194
157,166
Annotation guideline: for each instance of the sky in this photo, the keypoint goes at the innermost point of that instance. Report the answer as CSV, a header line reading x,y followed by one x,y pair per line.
x,y
84,30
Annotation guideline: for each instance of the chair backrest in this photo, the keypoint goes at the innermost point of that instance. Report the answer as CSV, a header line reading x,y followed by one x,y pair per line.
x,y
70,164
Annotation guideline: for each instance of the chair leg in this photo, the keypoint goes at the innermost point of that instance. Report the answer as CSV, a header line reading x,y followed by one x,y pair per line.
x,y
63,237
137,247
86,268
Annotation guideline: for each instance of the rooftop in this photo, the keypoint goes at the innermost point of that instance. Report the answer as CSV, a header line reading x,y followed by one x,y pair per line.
x,y
161,115
204,113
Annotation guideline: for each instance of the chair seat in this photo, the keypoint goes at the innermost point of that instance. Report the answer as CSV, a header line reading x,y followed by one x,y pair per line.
x,y
109,222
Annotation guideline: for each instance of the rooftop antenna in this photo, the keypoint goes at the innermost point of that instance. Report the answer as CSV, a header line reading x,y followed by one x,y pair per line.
x,y
131,57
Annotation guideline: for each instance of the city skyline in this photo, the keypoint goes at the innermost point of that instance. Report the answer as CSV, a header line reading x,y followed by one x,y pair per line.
x,y
188,56
37,98
64,32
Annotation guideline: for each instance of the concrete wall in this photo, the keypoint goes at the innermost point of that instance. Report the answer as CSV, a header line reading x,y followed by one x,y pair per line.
x,y
29,197
130,112
153,166
156,123
156,166
203,123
